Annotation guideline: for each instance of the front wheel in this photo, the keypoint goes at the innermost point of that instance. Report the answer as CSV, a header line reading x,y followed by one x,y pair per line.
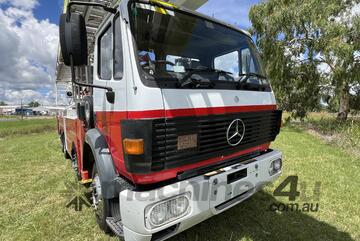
x,y
101,205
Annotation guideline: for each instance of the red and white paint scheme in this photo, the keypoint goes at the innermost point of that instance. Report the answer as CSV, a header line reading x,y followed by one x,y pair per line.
x,y
170,105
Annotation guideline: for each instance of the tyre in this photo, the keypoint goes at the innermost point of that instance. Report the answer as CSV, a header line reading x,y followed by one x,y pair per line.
x,y
62,139
89,112
101,205
74,163
66,154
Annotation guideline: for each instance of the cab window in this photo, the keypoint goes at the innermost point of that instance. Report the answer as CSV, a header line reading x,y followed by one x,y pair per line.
x,y
105,54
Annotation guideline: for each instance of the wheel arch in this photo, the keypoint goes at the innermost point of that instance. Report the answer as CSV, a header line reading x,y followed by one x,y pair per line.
x,y
96,145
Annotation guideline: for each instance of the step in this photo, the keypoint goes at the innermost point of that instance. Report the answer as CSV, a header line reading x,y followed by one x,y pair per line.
x,y
116,226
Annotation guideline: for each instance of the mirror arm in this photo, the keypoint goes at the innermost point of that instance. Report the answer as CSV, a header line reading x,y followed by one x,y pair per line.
x,y
73,79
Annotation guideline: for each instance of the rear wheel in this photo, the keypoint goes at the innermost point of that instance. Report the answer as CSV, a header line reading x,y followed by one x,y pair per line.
x,y
66,154
62,139
74,163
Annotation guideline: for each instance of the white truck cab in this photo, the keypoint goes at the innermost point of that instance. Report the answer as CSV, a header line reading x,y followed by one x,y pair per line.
x,y
175,116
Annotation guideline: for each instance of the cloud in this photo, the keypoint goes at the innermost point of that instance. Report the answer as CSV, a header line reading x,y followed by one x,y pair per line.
x,y
23,94
23,4
235,12
28,49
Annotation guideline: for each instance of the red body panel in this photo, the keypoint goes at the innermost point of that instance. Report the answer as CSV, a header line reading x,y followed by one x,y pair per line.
x,y
109,124
172,173
75,136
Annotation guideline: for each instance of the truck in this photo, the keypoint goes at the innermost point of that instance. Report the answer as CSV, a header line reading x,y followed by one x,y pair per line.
x,y
170,118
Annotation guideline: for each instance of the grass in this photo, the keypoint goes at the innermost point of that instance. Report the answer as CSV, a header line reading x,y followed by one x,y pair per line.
x,y
34,173
341,134
8,117
26,126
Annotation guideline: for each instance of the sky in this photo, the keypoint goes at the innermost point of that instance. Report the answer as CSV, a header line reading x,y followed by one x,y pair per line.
x,y
29,44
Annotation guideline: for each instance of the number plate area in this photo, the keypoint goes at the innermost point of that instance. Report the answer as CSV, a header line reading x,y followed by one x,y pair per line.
x,y
230,184
187,142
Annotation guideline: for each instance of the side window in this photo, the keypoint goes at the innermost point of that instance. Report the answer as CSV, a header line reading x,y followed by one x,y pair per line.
x,y
118,50
228,62
247,62
250,65
105,55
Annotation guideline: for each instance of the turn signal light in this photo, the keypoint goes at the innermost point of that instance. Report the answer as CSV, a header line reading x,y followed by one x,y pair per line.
x,y
134,146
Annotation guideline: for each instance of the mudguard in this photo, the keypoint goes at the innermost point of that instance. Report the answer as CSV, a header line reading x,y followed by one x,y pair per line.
x,y
104,163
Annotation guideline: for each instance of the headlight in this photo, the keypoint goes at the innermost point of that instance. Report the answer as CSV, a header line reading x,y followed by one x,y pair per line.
x,y
275,167
166,211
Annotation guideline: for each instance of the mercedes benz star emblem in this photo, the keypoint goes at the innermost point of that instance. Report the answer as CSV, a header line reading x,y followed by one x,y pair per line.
x,y
235,132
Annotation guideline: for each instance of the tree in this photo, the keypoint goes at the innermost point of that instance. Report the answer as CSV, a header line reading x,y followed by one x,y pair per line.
x,y
355,99
308,46
34,104
2,103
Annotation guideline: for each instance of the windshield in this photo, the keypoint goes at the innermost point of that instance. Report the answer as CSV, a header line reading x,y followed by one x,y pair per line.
x,y
176,49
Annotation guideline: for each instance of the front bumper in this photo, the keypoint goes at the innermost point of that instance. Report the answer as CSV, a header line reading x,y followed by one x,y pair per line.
x,y
211,194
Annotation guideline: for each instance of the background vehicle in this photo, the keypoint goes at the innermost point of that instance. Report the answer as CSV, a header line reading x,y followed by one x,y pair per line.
x,y
172,115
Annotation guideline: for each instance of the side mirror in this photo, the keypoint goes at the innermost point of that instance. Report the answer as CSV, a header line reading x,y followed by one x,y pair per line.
x,y
73,39
110,97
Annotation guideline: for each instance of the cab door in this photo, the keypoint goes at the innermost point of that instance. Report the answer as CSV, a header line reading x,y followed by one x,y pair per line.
x,y
110,73
118,82
102,76
118,77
